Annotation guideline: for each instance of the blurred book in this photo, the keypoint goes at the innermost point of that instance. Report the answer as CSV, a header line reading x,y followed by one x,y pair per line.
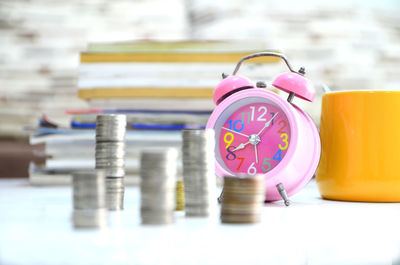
x,y
144,119
67,150
162,75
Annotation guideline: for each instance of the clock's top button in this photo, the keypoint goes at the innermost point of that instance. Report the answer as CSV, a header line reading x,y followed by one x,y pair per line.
x,y
296,83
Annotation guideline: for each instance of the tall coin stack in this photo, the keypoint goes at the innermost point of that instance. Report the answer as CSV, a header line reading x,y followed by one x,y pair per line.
x,y
110,156
199,172
243,199
89,199
158,179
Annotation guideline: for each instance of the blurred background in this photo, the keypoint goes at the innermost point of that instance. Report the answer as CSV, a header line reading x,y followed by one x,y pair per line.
x,y
347,45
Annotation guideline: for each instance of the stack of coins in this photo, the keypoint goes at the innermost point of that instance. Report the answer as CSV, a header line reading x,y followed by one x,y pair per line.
x,y
199,172
158,180
243,199
110,156
89,199
115,189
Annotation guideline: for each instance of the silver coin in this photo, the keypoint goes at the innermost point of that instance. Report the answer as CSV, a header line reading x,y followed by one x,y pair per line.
x,y
197,211
110,145
90,218
163,219
88,189
110,151
158,185
162,201
115,190
198,171
89,199
105,163
116,172
110,127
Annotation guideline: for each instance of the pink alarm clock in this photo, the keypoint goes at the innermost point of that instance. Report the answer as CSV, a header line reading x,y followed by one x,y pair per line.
x,y
258,132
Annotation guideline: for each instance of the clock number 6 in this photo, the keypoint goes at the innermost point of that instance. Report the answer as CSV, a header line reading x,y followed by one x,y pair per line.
x,y
252,170
285,137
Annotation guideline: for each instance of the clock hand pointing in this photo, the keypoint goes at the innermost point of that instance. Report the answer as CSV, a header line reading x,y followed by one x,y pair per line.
x,y
267,124
241,146
255,151
234,131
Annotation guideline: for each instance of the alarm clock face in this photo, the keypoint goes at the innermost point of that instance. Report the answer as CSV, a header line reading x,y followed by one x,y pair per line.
x,y
253,136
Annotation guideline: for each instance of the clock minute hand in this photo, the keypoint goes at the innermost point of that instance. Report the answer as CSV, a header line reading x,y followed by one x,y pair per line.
x,y
267,124
235,131
255,152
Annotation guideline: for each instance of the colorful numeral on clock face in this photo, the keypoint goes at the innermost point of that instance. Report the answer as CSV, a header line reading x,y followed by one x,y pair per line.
x,y
254,139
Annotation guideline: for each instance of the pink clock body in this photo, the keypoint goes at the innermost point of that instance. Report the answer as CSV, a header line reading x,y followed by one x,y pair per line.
x,y
258,132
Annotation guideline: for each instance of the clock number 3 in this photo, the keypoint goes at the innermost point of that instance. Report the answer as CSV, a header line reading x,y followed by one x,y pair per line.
x,y
285,137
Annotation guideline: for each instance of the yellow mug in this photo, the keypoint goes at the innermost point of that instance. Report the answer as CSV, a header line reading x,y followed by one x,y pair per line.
x,y
360,137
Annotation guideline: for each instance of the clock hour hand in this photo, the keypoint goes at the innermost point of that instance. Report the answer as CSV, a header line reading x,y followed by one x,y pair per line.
x,y
267,124
241,146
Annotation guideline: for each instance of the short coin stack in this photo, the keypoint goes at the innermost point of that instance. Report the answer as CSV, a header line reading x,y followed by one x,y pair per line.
x,y
199,172
115,189
158,179
243,199
89,199
110,156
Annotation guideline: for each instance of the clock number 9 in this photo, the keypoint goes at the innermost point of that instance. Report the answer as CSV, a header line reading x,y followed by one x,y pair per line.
x,y
228,141
284,136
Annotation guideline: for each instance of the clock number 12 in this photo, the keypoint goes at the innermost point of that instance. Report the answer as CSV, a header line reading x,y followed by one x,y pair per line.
x,y
262,110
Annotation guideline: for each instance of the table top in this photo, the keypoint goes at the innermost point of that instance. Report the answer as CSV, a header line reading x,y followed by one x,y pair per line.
x,y
35,228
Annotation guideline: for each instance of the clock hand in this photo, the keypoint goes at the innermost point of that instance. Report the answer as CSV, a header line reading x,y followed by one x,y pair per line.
x,y
255,151
241,146
267,124
235,132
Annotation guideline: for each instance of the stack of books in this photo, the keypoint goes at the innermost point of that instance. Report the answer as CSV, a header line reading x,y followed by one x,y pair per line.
x,y
161,75
162,87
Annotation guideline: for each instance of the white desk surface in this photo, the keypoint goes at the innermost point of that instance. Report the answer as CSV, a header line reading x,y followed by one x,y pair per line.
x,y
35,228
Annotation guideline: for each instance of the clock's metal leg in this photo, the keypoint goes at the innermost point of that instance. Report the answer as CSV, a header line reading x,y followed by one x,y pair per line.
x,y
221,196
290,97
282,192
